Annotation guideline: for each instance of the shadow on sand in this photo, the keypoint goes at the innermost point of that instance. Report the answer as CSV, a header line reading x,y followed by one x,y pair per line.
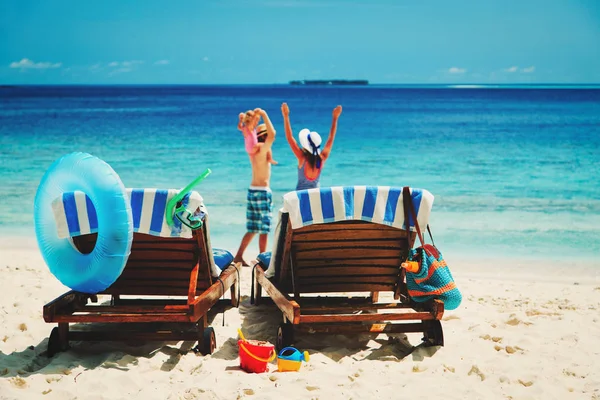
x,y
257,320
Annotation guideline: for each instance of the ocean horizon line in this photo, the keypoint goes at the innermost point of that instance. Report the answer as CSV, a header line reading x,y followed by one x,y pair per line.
x,y
370,85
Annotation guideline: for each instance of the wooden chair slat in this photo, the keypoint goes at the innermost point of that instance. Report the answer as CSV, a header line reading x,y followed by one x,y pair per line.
x,y
371,246
351,253
157,255
351,279
345,270
345,287
350,262
345,235
166,274
151,288
344,225
150,265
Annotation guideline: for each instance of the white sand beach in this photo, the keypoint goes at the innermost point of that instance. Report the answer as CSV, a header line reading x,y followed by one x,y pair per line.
x,y
523,331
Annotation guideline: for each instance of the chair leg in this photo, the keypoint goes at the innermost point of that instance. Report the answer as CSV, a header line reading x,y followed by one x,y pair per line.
x,y
235,301
257,293
59,339
285,335
63,335
433,334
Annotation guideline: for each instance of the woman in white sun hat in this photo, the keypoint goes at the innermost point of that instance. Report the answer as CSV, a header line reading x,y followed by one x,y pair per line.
x,y
310,155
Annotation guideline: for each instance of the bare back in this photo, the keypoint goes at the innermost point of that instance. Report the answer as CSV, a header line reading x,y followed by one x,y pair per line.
x,y
261,167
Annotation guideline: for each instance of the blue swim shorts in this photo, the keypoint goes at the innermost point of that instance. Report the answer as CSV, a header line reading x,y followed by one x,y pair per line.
x,y
259,211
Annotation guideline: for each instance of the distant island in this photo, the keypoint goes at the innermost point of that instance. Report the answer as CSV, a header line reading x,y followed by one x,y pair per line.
x,y
331,82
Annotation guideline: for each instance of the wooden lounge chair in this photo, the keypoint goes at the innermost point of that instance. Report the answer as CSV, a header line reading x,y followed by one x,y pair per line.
x,y
340,250
164,293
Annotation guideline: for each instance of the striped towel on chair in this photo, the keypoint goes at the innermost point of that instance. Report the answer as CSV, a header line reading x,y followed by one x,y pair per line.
x,y
75,214
378,204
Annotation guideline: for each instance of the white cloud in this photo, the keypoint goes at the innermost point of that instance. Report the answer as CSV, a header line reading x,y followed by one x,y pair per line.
x,y
528,70
125,64
119,71
26,63
512,69
131,63
204,58
456,70
162,62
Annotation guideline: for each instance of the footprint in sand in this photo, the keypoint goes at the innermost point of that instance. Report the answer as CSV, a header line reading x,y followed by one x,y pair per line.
x,y
525,383
508,349
475,370
514,321
18,382
537,313
496,339
450,317
567,372
418,368
354,376
449,368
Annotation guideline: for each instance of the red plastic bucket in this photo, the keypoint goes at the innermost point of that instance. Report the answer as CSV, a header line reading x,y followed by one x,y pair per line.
x,y
255,355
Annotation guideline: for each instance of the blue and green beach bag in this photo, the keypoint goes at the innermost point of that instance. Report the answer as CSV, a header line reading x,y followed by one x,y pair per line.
x,y
433,279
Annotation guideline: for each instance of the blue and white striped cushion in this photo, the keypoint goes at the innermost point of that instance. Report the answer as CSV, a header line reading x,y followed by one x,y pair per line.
x,y
378,204
75,215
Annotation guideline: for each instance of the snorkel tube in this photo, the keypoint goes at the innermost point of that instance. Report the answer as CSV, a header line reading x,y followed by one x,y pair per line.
x,y
175,208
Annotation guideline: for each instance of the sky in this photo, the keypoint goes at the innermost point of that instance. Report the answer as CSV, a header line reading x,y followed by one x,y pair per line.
x,y
274,41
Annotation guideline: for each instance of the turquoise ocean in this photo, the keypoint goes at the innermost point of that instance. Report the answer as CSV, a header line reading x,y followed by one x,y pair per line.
x,y
515,171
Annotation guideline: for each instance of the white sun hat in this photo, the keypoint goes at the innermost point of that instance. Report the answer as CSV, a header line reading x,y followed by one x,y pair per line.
x,y
306,137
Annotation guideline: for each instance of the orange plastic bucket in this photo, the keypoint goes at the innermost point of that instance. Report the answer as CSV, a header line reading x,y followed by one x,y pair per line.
x,y
255,355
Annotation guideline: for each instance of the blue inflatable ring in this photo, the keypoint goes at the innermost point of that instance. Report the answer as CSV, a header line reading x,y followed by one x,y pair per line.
x,y
88,273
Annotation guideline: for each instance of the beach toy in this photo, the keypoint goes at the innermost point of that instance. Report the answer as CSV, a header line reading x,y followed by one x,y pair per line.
x,y
175,207
250,140
88,273
290,359
255,354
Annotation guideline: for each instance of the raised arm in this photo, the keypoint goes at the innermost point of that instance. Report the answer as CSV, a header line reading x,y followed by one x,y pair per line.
x,y
327,150
285,110
240,122
270,130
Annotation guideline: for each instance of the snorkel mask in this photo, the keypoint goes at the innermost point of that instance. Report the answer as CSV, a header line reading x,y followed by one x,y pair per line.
x,y
191,219
178,207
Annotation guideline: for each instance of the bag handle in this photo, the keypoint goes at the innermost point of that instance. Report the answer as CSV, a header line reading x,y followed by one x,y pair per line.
x,y
430,236
410,207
